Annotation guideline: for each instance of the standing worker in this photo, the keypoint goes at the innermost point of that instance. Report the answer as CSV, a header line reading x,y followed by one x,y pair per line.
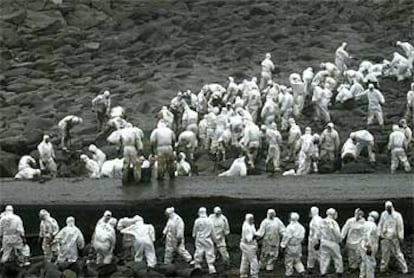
x,y
102,106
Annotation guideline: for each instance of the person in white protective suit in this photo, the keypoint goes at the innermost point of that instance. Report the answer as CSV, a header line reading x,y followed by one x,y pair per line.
x,y
344,94
47,232
236,129
117,111
215,101
116,123
112,168
274,141
91,166
391,233
104,241
232,90
322,99
47,156
202,102
315,226
353,232
267,68
204,247
101,104
223,142
397,145
332,69
329,143
270,231
353,75
174,237
187,143
398,67
307,150
128,249
13,237
162,141
320,78
293,139
252,84
362,139
356,89
307,77
237,169
97,155
183,167
270,111
177,107
26,161
348,151
375,100
144,238
369,247
65,125
254,103
70,239
130,139
341,57
408,49
408,132
211,126
286,107
28,173
190,99
202,133
189,120
272,91
221,230
292,243
167,116
251,141
328,246
248,246
298,89
410,105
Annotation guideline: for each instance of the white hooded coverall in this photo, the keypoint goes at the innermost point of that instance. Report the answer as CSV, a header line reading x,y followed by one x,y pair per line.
x,y
391,232
329,246
46,157
292,241
271,231
204,246
274,140
221,229
353,231
103,241
363,138
48,230
144,235
396,145
369,240
174,239
12,233
248,246
70,239
314,233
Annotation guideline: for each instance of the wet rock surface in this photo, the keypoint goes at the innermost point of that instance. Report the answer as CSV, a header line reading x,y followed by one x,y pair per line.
x,y
56,58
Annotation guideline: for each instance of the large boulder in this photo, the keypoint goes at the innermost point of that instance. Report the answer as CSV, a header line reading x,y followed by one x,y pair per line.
x,y
38,21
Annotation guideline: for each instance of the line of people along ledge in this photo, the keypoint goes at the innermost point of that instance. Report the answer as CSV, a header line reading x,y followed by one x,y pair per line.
x,y
360,238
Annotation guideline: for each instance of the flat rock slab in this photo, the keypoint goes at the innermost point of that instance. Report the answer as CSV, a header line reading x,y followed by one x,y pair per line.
x,y
306,189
